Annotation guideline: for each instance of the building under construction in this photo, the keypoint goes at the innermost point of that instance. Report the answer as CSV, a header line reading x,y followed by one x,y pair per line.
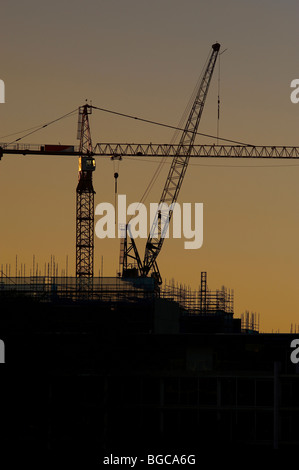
x,y
181,309
124,368
98,365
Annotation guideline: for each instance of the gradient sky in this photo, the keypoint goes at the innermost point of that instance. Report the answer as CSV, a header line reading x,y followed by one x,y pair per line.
x,y
144,58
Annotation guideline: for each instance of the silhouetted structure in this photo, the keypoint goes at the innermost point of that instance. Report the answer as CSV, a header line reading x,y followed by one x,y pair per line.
x,y
127,372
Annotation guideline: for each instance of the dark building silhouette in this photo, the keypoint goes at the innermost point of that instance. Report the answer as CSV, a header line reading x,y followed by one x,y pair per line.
x,y
126,371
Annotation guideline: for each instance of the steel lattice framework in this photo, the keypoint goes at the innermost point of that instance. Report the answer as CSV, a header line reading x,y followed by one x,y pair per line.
x,y
85,199
202,151
177,172
160,150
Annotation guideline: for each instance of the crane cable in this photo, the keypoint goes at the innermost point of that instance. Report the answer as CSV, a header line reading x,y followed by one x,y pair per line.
x,y
38,128
175,135
244,144
218,101
183,119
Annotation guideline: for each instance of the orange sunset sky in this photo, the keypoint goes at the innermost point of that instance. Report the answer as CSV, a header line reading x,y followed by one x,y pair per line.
x,y
144,58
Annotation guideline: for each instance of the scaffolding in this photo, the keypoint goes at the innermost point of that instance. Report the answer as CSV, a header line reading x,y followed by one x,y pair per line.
x,y
52,288
201,301
48,288
250,322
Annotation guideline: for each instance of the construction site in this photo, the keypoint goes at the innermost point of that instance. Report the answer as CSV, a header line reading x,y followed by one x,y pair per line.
x,y
130,362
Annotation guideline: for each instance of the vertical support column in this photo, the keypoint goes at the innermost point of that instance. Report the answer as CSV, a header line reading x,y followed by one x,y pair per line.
x,y
84,232
203,292
85,200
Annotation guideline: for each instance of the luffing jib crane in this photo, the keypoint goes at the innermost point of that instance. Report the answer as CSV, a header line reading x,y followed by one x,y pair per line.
x,y
172,186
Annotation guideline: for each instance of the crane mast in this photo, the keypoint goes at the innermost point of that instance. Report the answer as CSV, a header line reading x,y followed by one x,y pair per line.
x,y
85,200
177,172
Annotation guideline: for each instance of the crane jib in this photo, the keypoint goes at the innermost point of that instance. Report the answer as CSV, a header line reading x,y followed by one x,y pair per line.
x,y
179,164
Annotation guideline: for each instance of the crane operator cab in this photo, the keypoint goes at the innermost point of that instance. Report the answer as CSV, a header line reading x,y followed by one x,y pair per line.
x,y
87,164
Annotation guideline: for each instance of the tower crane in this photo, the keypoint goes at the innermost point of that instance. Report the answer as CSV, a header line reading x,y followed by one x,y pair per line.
x,y
181,153
85,200
173,183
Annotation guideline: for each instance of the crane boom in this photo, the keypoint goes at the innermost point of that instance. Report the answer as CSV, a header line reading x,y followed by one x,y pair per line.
x,y
197,151
177,172
156,150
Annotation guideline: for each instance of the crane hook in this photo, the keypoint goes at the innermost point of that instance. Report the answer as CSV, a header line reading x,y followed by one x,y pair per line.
x,y
116,159
115,185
